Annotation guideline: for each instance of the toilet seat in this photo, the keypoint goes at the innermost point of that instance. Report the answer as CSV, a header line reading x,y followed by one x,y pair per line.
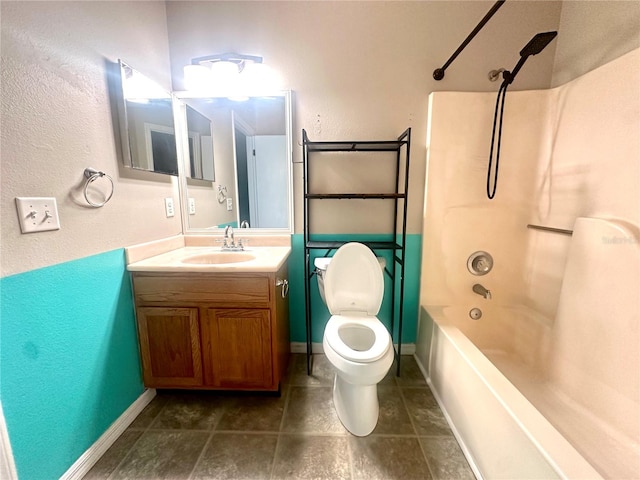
x,y
354,283
380,345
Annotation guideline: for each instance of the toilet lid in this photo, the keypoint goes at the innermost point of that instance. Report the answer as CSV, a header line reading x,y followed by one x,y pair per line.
x,y
380,346
354,281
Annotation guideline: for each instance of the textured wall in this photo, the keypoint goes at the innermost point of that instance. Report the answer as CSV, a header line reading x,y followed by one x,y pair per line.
x,y
68,353
56,121
364,69
594,33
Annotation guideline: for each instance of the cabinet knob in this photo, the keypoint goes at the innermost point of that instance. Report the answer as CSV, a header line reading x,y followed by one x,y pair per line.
x,y
285,286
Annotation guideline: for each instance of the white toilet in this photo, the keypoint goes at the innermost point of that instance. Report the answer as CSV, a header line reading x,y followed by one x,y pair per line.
x,y
356,343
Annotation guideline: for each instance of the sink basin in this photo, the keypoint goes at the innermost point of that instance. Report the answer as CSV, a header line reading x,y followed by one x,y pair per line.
x,y
218,258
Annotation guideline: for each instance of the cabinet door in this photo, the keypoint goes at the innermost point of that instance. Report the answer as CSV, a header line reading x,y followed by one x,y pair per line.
x,y
237,348
170,346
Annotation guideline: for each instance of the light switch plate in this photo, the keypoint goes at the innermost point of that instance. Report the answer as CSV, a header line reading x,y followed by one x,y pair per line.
x,y
168,207
37,214
229,204
192,206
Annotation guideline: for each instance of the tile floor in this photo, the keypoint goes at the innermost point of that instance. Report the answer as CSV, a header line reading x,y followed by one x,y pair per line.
x,y
209,435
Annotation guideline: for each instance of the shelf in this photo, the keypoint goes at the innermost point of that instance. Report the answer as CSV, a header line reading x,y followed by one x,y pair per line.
x,y
315,245
398,236
359,146
338,196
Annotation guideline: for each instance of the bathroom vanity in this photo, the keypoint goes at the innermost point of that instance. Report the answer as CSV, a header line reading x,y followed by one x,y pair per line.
x,y
213,326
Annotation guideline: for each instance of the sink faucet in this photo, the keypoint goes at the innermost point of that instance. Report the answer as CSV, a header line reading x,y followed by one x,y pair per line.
x,y
228,235
480,290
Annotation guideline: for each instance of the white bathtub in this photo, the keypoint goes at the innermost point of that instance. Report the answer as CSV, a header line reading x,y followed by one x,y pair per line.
x,y
492,378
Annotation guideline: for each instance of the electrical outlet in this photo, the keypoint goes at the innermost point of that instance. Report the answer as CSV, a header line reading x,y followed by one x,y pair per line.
x,y
168,207
229,204
192,206
37,214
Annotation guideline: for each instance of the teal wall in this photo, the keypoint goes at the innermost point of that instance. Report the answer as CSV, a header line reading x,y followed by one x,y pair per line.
x,y
69,359
233,224
320,315
69,363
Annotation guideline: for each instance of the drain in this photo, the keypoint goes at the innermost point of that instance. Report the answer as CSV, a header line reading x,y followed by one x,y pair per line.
x,y
475,313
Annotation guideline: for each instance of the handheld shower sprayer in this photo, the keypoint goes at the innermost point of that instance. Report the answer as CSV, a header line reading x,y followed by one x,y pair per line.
x,y
534,47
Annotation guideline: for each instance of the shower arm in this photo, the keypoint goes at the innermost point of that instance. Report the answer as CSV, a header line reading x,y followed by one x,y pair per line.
x,y
508,76
438,73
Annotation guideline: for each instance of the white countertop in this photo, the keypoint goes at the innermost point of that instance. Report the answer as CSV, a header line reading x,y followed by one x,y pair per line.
x,y
267,259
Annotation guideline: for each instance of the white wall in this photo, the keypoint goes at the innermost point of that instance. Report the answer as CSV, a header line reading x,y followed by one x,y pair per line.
x,y
364,69
56,121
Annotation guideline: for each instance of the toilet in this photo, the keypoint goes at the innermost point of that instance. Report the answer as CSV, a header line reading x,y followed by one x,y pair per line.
x,y
355,342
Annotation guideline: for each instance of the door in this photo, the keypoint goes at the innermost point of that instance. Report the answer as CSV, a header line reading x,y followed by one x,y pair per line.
x,y
170,346
269,196
237,348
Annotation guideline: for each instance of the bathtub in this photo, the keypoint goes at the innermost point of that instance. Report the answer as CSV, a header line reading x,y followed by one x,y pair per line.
x,y
511,419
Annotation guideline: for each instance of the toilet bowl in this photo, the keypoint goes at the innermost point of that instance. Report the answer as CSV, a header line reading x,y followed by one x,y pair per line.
x,y
355,342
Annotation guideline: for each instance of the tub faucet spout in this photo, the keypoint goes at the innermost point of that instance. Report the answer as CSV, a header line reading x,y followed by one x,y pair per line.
x,y
480,290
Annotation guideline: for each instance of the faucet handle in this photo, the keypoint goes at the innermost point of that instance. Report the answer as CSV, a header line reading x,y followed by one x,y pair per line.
x,y
223,241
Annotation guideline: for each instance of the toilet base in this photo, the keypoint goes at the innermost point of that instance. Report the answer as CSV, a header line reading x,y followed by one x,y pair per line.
x,y
356,405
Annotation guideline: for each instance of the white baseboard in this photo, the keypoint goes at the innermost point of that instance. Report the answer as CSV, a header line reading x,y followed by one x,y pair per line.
x,y
89,458
301,347
7,464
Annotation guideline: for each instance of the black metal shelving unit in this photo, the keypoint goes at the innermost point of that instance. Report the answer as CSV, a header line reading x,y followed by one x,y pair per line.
x,y
400,147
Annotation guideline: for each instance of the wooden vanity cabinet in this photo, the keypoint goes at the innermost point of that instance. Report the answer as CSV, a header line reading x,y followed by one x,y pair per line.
x,y
213,330
170,346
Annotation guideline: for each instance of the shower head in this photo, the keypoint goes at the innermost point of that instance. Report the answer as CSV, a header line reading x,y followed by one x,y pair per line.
x,y
537,43
534,47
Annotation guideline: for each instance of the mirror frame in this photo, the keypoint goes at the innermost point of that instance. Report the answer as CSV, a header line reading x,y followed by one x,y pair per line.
x,y
182,143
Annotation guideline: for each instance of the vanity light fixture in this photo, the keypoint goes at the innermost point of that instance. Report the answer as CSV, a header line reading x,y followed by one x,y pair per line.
x,y
231,75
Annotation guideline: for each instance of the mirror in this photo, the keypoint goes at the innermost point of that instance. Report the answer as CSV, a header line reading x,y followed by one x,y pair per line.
x,y
252,147
147,129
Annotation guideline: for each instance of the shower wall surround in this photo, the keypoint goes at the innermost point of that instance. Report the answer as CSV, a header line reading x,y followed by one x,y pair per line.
x,y
569,152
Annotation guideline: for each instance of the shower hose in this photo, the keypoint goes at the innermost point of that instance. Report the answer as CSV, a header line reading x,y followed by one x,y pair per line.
x,y
491,189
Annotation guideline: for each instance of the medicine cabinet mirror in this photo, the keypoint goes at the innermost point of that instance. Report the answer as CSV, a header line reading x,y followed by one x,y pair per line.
x,y
147,130
251,143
